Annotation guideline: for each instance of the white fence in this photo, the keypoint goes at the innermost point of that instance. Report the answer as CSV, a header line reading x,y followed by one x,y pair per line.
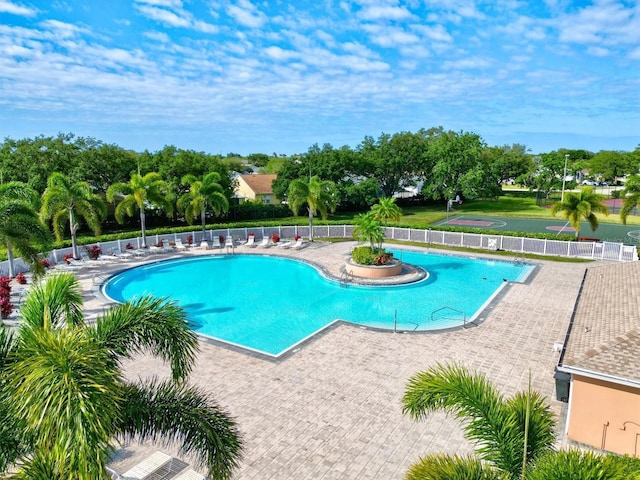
x,y
589,250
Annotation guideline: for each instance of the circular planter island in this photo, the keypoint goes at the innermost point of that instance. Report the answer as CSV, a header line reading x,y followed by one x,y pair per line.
x,y
391,268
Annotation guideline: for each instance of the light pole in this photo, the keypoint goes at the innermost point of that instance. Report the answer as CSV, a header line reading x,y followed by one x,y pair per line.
x,y
564,178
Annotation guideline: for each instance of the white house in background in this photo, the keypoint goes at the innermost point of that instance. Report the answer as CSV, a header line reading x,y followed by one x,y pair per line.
x,y
256,187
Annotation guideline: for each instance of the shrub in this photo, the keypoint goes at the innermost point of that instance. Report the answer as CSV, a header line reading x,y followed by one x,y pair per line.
x,y
94,251
21,278
365,255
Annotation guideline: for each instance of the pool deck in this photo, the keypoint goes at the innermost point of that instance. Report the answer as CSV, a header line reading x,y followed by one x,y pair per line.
x,y
332,410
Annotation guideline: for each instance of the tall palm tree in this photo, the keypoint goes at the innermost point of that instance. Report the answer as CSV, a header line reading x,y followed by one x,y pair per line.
x,y
65,203
141,193
630,196
509,433
66,403
318,195
202,194
386,210
581,206
20,226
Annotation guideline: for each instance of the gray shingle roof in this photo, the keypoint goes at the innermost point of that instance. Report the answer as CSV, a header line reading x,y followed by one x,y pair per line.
x,y
605,337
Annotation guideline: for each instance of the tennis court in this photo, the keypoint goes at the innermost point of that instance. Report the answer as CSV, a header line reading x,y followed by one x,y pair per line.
x,y
606,232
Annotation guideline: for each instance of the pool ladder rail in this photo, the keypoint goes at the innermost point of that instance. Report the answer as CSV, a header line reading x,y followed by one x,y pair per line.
x,y
346,278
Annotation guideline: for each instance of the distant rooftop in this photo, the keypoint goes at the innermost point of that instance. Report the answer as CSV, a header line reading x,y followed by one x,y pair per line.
x,y
260,183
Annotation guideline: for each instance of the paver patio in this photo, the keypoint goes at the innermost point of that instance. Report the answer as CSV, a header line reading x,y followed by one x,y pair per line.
x,y
332,410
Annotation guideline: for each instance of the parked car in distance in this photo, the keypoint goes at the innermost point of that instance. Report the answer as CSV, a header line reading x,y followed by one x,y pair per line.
x,y
593,183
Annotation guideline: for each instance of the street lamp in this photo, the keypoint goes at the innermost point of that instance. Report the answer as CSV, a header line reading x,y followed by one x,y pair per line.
x,y
564,178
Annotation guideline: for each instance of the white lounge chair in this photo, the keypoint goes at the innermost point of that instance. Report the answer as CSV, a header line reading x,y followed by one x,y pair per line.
x,y
179,245
215,243
251,241
145,469
284,244
300,243
264,242
190,475
228,242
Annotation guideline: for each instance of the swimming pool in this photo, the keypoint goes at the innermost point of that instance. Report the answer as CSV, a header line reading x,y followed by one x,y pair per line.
x,y
271,304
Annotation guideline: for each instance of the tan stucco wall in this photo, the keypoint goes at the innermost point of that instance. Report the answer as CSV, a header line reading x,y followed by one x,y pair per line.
x,y
243,190
600,410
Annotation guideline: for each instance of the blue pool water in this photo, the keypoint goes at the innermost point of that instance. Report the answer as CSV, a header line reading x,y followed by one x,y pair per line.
x,y
270,304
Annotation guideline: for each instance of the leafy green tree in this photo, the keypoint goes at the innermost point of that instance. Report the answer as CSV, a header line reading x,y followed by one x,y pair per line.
x,y
141,193
66,203
630,196
21,229
581,206
609,165
318,195
201,195
65,400
368,229
509,162
509,432
458,167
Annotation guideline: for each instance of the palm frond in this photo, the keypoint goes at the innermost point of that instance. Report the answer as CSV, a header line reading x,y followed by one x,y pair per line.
x,y
170,412
149,324
444,467
55,301
579,465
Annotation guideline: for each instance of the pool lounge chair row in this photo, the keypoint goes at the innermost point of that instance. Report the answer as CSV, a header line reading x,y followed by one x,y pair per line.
x,y
266,242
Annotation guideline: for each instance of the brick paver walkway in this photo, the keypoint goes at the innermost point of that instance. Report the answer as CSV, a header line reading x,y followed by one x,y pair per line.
x,y
333,409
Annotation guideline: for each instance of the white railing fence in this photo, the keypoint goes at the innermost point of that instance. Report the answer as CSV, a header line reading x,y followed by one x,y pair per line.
x,y
558,248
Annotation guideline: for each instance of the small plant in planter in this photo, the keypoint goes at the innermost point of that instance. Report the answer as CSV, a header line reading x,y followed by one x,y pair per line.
x,y
45,263
6,307
67,258
21,278
128,246
221,238
275,238
93,252
189,239
368,229
297,237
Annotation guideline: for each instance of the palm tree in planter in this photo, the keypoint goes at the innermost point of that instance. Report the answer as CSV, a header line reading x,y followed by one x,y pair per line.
x,y
21,229
66,202
319,196
202,194
65,403
386,211
581,206
141,193
368,229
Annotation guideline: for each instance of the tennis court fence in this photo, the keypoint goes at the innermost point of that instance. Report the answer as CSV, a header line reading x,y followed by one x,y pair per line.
x,y
613,251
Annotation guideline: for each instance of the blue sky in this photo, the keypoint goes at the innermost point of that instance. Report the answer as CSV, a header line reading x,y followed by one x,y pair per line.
x,y
245,76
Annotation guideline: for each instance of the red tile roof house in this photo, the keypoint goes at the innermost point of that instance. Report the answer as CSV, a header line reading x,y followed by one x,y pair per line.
x,y
256,187
598,372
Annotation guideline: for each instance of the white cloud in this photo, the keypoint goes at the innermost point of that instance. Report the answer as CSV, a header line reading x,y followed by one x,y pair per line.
x,y
9,7
247,14
378,12
164,16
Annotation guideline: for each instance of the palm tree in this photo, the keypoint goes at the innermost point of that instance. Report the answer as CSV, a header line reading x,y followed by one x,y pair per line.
x,y
577,464
20,226
368,229
582,206
631,196
202,194
386,210
509,433
65,403
318,195
66,202
141,193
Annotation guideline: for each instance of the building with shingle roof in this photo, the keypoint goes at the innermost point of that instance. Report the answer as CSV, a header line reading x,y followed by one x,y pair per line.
x,y
598,373
256,187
